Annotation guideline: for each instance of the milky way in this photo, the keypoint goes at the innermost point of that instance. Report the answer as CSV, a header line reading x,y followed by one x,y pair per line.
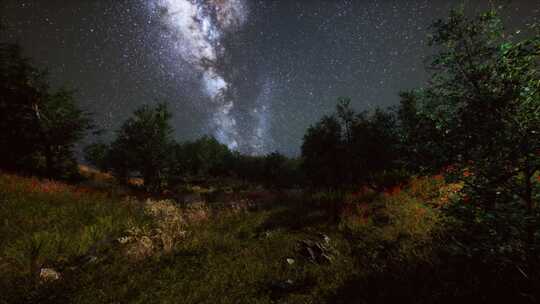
x,y
198,28
253,73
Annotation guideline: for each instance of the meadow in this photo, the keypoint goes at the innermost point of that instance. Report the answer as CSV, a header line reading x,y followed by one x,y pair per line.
x,y
279,247
79,244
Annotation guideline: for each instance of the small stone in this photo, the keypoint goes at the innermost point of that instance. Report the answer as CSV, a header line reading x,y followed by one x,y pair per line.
x,y
290,261
124,239
49,275
90,259
326,238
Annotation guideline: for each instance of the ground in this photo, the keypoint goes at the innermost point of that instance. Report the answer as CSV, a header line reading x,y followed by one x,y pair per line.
x,y
86,243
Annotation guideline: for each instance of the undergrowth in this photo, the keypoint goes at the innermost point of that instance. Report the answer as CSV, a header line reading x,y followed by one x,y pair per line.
x,y
358,247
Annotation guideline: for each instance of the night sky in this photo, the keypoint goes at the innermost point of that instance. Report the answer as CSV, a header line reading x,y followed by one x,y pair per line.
x,y
255,74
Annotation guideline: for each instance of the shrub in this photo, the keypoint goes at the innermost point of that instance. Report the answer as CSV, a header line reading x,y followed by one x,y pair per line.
x,y
400,224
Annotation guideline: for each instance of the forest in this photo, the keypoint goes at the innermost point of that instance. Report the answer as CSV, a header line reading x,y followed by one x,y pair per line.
x,y
432,200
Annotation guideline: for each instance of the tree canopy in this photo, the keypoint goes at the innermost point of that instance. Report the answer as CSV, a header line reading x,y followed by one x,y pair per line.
x,y
39,126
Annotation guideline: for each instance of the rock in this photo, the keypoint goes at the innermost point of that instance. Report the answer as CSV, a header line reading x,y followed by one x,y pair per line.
x,y
90,259
325,238
124,239
290,261
49,275
317,251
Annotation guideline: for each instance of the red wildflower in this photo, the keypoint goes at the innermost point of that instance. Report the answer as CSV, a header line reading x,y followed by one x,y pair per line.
x,y
438,177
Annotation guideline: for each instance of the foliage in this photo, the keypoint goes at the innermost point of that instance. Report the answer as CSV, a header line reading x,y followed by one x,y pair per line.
x,y
422,147
406,220
45,222
483,99
236,257
280,171
96,154
39,126
143,145
62,124
203,157
480,117
321,151
350,148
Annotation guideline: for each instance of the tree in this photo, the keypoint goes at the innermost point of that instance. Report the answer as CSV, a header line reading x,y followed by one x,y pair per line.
x,y
484,100
61,124
422,147
204,157
374,147
321,153
275,170
352,149
143,144
97,154
39,126
21,95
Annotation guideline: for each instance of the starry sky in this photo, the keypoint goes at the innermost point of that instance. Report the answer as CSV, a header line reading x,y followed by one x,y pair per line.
x,y
254,74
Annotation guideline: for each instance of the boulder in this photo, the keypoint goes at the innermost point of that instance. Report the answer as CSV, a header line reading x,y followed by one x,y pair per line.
x,y
317,250
49,275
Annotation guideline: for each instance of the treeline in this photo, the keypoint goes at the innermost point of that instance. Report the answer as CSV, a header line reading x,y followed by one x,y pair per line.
x,y
144,146
478,113
40,127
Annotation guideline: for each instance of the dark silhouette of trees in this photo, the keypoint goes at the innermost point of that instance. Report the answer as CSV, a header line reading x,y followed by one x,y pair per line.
x,y
97,155
280,171
351,149
422,146
375,153
62,124
144,145
39,126
483,100
205,156
22,89
322,151
479,118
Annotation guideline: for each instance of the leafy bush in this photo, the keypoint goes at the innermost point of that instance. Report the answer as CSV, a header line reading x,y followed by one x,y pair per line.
x,y
401,224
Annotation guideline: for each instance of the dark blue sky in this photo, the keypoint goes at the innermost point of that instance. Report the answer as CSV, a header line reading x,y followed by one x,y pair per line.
x,y
284,64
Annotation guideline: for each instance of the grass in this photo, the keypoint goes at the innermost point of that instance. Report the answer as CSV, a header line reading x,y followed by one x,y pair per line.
x,y
382,247
46,223
232,256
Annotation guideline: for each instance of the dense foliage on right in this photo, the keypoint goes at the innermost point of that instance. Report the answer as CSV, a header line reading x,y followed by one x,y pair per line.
x,y
477,122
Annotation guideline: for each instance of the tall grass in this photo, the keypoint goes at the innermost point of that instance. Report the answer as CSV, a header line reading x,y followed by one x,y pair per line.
x,y
48,223
385,247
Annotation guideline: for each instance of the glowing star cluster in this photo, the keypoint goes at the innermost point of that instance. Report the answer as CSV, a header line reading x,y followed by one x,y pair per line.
x,y
199,26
